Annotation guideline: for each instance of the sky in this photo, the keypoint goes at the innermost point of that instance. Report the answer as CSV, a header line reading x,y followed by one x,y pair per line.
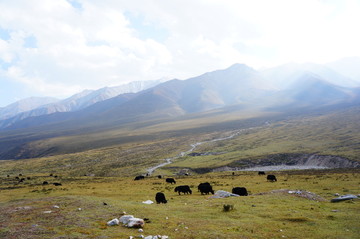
x,y
60,47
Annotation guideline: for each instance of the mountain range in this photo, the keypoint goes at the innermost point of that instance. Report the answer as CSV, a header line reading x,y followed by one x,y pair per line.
x,y
37,106
283,88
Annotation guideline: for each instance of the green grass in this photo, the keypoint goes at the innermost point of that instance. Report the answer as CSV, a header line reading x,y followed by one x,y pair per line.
x,y
262,214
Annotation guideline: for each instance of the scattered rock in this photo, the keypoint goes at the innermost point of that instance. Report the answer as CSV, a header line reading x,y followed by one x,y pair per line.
x,y
131,221
135,222
344,198
223,194
47,212
298,193
148,202
125,219
113,222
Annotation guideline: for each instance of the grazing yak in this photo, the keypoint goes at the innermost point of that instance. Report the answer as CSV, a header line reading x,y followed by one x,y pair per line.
x,y
57,184
160,198
45,183
159,176
271,178
170,180
241,191
261,173
205,188
185,189
139,177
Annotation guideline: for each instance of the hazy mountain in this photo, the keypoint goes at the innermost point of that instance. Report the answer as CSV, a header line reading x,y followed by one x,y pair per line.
x,y
284,76
311,90
76,102
349,66
237,85
238,88
25,105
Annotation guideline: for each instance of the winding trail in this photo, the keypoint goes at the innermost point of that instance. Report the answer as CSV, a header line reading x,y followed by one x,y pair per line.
x,y
193,147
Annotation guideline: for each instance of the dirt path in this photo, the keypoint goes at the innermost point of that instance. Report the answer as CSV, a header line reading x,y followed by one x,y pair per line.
x,y
193,147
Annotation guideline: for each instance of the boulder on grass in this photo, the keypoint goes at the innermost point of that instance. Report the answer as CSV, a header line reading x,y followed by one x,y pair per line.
x,y
113,222
135,222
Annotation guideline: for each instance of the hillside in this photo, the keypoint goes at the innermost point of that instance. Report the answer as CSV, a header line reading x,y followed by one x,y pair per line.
x,y
136,147
213,103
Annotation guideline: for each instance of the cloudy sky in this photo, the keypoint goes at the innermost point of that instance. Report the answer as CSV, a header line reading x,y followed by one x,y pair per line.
x,y
60,47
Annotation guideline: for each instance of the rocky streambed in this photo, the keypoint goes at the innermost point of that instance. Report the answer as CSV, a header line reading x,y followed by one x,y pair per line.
x,y
284,161
274,162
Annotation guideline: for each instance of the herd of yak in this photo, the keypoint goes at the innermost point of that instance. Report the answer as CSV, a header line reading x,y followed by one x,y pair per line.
x,y
203,188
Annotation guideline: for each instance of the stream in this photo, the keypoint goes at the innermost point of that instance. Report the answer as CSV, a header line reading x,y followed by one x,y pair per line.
x,y
193,147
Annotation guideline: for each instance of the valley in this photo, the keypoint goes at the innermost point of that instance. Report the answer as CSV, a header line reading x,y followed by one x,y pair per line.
x,y
189,131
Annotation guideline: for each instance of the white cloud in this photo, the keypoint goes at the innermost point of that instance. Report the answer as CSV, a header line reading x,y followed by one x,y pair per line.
x,y
95,43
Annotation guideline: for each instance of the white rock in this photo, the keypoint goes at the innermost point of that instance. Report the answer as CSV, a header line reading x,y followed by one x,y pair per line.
x,y
56,206
141,230
148,237
135,222
47,212
113,222
125,219
148,202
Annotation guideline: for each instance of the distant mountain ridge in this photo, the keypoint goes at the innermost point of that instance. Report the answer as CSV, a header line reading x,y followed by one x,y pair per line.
x,y
237,85
290,84
25,105
44,106
238,89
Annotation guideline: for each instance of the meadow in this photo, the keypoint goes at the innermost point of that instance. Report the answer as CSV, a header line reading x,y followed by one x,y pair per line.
x,y
99,167
76,209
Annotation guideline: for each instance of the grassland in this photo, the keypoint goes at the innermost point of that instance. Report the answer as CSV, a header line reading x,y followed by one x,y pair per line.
x,y
115,156
265,213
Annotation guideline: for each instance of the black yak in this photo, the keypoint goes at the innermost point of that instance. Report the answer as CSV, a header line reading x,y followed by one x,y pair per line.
x,y
139,177
271,178
185,189
241,191
205,188
170,180
160,198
